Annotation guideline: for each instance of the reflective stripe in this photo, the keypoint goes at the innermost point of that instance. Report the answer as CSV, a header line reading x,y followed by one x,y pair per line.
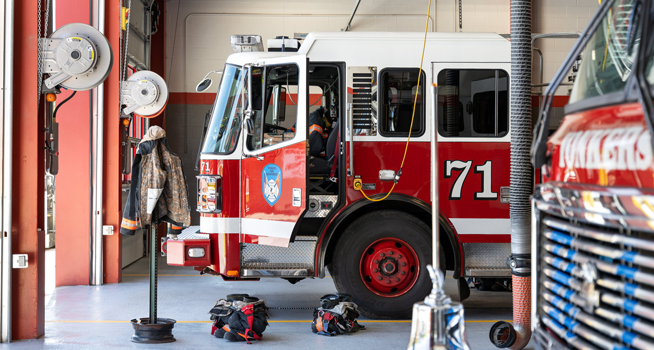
x,y
482,226
268,228
315,127
219,225
128,224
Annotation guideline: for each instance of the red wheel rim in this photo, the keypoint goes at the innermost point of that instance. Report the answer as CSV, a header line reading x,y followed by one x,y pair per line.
x,y
389,267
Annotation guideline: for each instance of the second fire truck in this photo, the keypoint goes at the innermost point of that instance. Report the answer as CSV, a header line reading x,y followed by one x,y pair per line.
x,y
275,205
593,216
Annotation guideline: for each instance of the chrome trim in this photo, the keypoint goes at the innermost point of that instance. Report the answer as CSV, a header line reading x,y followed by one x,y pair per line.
x,y
487,273
275,273
617,207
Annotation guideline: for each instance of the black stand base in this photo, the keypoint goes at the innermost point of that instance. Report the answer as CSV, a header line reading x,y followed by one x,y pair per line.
x,y
148,333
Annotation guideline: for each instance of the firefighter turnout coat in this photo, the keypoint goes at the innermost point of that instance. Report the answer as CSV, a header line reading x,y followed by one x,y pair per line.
x,y
158,181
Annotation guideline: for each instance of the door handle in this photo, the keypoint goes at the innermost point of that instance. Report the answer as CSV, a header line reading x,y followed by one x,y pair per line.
x,y
350,171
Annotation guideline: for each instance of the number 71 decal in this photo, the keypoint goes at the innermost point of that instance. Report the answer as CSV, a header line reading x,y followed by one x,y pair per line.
x,y
464,167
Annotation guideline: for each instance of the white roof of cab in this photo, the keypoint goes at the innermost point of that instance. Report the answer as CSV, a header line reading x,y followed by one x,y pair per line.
x,y
393,48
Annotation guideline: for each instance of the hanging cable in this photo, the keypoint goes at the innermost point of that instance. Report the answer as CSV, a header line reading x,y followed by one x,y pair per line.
x,y
54,114
358,185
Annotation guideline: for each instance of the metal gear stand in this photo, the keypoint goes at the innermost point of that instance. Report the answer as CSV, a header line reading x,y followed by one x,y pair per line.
x,y
160,330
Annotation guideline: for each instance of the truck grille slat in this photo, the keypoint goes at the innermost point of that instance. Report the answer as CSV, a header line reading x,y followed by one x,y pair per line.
x,y
598,235
628,321
626,256
568,336
595,323
609,329
577,328
614,269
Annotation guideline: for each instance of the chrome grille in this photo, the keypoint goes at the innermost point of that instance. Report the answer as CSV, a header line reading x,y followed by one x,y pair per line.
x,y
595,269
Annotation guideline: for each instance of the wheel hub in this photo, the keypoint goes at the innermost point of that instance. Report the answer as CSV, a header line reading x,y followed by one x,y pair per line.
x,y
389,267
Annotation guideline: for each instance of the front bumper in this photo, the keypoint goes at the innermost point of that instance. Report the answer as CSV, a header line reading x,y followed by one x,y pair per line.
x,y
180,251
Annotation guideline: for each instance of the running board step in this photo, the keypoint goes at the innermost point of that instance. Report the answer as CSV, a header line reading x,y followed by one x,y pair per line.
x,y
276,273
267,261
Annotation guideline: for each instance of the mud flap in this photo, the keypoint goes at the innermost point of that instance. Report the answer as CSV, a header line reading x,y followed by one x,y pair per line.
x,y
464,289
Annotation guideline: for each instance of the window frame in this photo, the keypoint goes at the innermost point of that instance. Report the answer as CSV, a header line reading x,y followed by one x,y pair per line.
x,y
295,139
423,108
508,98
622,96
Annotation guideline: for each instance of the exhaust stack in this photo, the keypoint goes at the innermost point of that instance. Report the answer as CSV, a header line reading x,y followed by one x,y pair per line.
x,y
503,334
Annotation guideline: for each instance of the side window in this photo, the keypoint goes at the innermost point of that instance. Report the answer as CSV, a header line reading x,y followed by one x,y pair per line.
x,y
277,101
397,94
473,103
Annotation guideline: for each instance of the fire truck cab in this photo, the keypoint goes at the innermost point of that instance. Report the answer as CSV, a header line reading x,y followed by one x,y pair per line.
x,y
292,133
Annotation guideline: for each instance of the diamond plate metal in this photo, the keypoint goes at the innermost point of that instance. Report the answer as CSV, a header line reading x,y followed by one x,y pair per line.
x,y
318,199
192,232
298,255
486,255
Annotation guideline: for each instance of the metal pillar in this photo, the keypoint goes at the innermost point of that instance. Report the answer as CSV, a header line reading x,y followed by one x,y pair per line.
x,y
97,139
7,169
153,330
154,260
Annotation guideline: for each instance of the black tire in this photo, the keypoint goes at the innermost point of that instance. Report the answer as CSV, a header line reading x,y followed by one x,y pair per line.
x,y
370,228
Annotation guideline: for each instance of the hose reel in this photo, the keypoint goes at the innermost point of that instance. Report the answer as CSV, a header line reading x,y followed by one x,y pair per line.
x,y
145,94
77,57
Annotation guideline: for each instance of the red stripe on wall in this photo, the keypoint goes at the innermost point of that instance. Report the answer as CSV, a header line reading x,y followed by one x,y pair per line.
x,y
207,98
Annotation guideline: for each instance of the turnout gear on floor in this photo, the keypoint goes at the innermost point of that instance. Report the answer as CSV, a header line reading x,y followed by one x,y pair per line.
x,y
336,315
158,180
239,318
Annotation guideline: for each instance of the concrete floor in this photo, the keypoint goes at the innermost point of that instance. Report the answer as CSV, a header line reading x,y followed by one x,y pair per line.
x,y
83,317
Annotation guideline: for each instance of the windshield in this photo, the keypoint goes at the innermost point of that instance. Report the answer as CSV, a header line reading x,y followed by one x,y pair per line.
x,y
222,134
610,52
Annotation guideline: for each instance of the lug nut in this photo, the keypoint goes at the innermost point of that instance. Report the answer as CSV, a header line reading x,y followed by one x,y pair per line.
x,y
382,255
399,256
388,281
376,261
403,264
379,278
375,270
403,273
397,279
390,253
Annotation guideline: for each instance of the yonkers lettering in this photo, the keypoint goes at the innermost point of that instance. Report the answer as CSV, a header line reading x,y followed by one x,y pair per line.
x,y
607,149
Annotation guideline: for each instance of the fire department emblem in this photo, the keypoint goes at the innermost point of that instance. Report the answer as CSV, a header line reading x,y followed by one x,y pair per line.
x,y
271,180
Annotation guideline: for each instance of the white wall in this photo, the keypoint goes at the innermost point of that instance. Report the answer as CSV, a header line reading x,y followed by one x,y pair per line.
x,y
198,31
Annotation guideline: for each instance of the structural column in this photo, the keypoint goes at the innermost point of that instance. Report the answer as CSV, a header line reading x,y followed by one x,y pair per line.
x,y
28,237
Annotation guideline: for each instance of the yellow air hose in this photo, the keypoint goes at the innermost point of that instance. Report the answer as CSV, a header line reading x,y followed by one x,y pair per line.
x,y
358,184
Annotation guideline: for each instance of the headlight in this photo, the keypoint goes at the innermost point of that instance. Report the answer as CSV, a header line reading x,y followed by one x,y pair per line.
x,y
209,193
196,253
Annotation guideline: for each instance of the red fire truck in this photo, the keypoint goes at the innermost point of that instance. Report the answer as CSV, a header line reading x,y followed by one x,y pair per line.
x,y
593,217
272,206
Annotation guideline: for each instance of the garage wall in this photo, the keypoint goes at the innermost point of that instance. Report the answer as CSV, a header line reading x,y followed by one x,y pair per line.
x,y
197,40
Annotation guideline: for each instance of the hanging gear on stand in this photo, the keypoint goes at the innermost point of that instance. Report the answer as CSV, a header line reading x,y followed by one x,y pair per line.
x,y
337,314
239,317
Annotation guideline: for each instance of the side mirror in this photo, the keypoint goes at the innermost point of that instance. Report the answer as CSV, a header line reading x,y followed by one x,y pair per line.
x,y
204,85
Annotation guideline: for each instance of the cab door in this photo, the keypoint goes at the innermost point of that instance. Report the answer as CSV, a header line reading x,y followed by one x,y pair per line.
x,y
474,149
274,162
